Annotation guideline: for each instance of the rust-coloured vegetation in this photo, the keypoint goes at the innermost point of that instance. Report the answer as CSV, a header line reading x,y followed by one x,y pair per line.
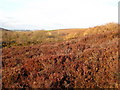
x,y
85,61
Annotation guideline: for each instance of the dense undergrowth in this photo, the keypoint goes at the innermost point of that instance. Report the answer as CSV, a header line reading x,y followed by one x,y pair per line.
x,y
88,61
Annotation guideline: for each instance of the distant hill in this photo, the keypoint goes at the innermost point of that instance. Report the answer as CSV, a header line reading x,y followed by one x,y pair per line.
x,y
4,29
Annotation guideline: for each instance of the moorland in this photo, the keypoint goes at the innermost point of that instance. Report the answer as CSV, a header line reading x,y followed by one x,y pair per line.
x,y
65,58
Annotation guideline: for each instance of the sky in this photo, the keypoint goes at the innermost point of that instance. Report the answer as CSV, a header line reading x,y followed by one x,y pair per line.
x,y
56,14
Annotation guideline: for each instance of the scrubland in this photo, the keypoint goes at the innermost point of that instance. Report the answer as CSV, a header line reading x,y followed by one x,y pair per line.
x,y
68,58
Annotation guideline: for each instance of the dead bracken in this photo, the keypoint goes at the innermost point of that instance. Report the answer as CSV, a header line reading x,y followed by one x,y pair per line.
x,y
90,61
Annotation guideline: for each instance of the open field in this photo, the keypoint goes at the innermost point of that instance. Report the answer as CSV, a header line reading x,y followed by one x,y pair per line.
x,y
68,58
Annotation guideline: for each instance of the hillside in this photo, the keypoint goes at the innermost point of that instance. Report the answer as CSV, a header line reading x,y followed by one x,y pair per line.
x,y
72,58
21,38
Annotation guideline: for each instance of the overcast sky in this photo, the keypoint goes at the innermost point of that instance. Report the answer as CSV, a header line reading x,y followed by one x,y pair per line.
x,y
56,14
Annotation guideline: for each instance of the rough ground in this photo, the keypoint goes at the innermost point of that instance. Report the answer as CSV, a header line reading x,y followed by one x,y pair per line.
x,y
83,62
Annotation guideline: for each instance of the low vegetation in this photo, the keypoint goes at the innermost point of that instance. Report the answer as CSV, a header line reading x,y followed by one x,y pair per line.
x,y
75,58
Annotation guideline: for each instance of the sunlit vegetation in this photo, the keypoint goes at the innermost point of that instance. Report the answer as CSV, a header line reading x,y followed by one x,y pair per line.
x,y
21,38
75,58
